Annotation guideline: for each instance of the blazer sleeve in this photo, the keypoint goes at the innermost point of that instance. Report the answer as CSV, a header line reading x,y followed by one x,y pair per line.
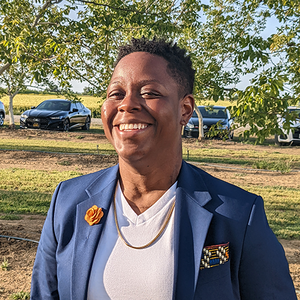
x,y
264,271
44,274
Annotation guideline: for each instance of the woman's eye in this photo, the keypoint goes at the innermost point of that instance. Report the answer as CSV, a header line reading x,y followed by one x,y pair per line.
x,y
150,95
116,96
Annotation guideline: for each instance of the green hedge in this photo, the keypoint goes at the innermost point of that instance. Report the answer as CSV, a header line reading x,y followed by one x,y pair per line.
x,y
96,112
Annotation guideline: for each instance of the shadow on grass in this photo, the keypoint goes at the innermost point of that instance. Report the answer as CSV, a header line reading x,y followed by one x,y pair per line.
x,y
18,202
253,141
218,160
95,129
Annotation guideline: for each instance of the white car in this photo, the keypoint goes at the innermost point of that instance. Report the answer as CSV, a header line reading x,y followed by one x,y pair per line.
x,y
2,113
291,136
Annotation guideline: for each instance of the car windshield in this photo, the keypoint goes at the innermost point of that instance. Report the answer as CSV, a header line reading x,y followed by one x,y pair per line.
x,y
54,105
296,110
212,112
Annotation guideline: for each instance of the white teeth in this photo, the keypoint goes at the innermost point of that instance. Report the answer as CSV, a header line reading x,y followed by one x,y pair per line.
x,y
132,126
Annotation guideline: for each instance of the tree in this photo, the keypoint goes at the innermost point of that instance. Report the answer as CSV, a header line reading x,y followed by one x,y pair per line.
x,y
28,43
51,43
230,44
102,26
14,80
224,38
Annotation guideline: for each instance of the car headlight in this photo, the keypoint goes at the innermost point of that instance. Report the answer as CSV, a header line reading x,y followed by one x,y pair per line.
x,y
56,118
23,117
205,127
190,125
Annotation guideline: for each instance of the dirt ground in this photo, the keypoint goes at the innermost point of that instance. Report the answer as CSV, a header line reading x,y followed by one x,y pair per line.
x,y
20,254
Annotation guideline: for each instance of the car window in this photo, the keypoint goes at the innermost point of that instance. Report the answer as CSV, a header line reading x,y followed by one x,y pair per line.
x,y
64,106
295,110
79,105
209,112
54,105
73,105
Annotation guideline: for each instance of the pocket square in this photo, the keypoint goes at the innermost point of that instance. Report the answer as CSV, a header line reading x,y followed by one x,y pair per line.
x,y
215,255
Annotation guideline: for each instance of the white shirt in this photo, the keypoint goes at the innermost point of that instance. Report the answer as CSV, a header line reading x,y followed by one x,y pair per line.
x,y
122,273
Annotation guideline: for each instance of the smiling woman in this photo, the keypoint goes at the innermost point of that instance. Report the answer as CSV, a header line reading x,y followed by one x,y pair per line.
x,y
162,217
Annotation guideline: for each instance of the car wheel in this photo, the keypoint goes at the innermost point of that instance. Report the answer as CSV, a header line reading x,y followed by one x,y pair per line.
x,y
66,125
1,120
277,142
87,123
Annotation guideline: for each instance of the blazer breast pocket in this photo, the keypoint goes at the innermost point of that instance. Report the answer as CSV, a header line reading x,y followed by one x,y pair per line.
x,y
214,263
215,283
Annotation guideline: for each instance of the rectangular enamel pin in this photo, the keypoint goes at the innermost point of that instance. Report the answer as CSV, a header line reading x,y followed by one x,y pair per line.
x,y
215,255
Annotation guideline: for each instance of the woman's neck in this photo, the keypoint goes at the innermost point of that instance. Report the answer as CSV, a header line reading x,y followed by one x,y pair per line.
x,y
143,189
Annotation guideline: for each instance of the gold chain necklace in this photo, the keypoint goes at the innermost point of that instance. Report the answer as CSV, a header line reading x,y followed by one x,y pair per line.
x,y
156,237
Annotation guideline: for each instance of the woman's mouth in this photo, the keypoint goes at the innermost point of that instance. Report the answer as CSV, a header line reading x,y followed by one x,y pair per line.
x,y
131,126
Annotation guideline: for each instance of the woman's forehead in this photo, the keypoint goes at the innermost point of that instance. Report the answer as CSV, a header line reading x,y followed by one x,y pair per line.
x,y
142,67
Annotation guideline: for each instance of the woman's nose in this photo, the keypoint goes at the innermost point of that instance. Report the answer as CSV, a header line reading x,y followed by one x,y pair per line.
x,y
130,103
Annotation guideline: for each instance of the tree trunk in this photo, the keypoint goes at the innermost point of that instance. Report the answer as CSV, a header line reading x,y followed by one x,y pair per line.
x,y
200,118
11,113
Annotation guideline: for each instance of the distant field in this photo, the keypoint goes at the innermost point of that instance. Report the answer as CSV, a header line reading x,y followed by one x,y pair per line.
x,y
33,100
220,102
23,102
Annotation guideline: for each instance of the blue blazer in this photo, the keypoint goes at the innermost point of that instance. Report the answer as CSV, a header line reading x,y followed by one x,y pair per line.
x,y
208,212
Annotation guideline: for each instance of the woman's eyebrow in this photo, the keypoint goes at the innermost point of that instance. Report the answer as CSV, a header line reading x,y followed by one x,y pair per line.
x,y
141,82
115,82
147,81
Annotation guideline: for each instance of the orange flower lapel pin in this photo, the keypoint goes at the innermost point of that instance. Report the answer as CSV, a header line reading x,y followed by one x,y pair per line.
x,y
93,215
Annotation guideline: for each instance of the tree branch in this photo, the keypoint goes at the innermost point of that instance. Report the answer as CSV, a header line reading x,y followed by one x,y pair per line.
x,y
83,77
109,6
117,8
49,23
4,68
44,7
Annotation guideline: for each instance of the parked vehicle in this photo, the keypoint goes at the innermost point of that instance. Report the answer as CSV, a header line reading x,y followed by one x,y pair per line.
x,y
292,136
57,114
2,113
212,116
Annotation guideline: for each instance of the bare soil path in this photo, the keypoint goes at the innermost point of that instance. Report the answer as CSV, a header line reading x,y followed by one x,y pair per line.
x,y
20,254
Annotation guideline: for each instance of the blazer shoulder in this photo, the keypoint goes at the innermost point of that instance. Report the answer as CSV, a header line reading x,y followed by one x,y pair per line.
x,y
71,193
80,188
84,181
199,180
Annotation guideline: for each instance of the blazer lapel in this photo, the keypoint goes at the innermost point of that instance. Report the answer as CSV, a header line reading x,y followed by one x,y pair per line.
x,y
87,237
192,223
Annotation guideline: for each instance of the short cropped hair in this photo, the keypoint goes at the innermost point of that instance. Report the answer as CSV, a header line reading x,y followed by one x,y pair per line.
x,y
179,63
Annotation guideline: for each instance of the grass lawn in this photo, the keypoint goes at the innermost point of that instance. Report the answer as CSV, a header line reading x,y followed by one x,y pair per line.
x,y
29,191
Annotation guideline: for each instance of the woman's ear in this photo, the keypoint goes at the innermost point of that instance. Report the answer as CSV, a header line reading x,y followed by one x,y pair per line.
x,y
187,108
